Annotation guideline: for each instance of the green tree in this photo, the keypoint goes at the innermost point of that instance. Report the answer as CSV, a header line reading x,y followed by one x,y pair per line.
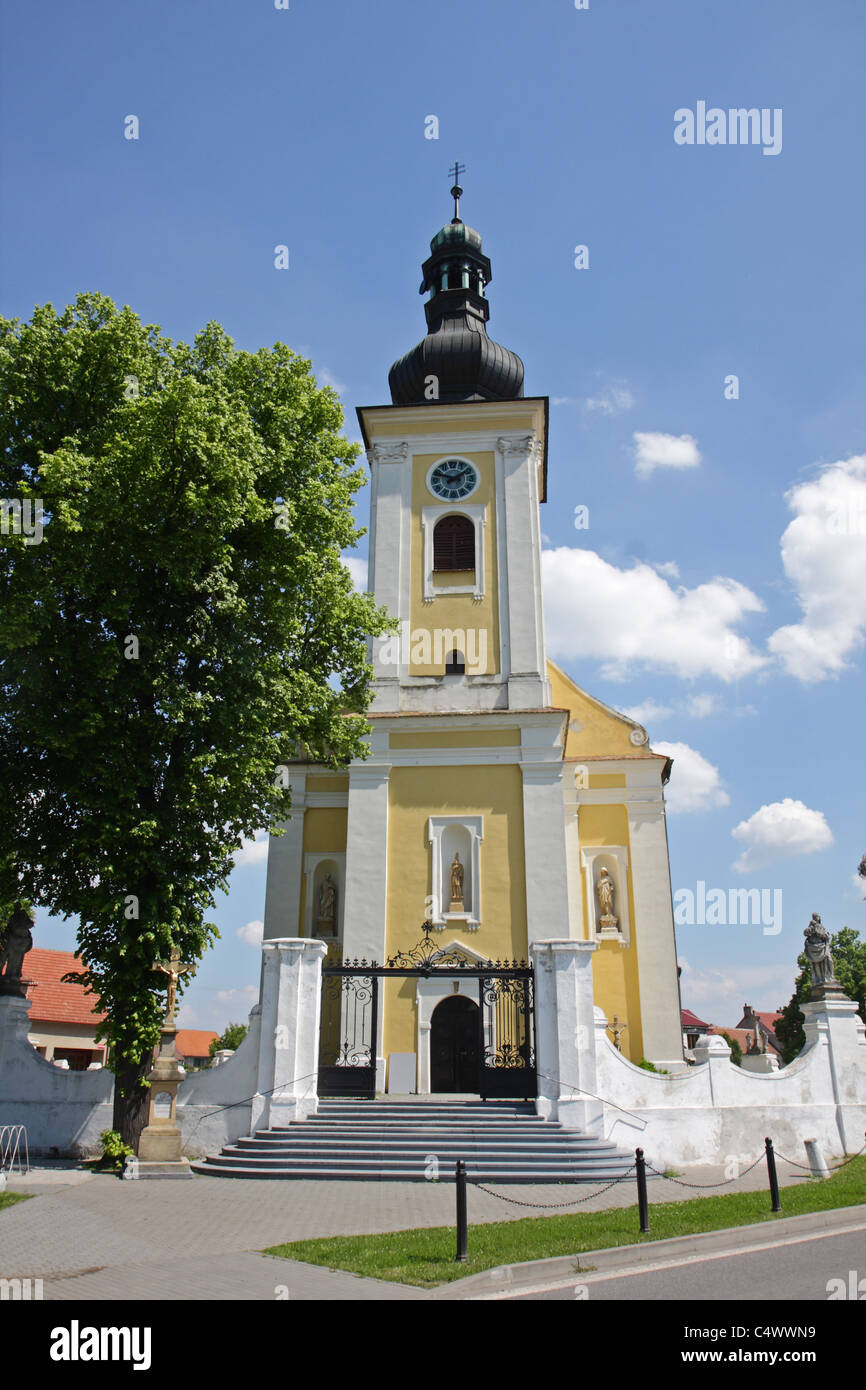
x,y
181,630
849,964
736,1050
232,1037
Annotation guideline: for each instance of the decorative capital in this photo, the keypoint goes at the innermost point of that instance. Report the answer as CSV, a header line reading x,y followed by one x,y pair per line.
x,y
392,451
520,446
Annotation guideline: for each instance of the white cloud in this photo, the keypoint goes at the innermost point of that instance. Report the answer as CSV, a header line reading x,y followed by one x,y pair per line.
x,y
695,784
670,569
562,400
251,933
242,997
253,851
648,711
612,401
703,705
633,617
358,569
324,377
664,451
824,557
778,831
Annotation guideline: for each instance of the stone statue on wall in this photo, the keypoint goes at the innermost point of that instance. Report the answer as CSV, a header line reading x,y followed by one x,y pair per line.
x,y
17,942
605,893
818,953
457,876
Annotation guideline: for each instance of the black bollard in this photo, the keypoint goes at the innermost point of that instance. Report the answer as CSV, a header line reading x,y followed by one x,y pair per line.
x,y
774,1181
462,1233
642,1200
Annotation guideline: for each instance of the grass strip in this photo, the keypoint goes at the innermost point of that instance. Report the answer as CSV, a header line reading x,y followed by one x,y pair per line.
x,y
8,1199
426,1257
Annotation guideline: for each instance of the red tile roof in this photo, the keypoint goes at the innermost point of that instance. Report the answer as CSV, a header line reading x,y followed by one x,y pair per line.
x,y
53,1001
743,1036
193,1042
690,1020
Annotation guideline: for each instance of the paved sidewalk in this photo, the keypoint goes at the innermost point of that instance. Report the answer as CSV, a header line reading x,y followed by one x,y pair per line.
x,y
92,1236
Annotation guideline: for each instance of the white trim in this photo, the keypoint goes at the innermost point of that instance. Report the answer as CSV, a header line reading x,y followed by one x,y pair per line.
x,y
475,827
476,513
618,854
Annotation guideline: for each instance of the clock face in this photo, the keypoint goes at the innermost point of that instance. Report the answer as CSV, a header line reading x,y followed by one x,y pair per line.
x,y
453,479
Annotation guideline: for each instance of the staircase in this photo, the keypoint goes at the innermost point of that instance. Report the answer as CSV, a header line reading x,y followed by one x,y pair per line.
x,y
417,1141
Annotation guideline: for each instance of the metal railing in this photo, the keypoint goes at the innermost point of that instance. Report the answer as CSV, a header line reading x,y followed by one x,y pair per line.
x,y
11,1139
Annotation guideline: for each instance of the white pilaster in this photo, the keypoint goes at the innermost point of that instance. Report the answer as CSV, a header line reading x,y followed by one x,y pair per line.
x,y
654,934
547,912
366,862
389,553
517,464
285,866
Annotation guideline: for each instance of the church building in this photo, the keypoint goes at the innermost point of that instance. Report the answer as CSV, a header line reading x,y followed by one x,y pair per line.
x,y
501,804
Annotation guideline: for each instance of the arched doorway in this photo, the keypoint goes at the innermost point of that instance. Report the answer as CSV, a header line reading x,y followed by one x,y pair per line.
x,y
454,1046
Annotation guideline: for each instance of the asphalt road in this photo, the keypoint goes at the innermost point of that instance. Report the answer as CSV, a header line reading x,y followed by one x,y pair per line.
x,y
788,1271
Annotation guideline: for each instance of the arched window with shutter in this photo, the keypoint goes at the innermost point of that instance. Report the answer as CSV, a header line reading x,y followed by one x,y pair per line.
x,y
454,544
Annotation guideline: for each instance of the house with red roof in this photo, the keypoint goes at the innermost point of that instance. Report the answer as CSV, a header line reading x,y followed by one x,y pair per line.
x,y
693,1028
63,1017
192,1046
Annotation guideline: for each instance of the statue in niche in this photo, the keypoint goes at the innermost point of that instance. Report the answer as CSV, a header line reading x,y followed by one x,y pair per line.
x,y
457,876
328,904
605,893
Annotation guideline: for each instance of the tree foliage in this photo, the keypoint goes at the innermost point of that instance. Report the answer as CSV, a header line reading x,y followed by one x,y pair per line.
x,y
183,629
231,1038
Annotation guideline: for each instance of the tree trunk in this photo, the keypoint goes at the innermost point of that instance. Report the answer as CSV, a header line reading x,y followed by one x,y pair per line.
x,y
131,1108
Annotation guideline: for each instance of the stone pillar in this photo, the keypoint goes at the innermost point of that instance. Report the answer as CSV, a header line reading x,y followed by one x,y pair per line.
x,y
565,1034
832,1023
654,935
544,850
762,1063
289,1042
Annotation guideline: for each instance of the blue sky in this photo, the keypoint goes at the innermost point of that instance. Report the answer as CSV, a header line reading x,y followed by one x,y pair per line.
x,y
719,590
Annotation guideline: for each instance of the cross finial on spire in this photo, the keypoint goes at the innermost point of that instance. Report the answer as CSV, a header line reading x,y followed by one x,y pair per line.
x,y
457,191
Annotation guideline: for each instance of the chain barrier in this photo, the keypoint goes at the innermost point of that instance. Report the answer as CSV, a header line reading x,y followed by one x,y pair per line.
x,y
698,1185
554,1206
807,1167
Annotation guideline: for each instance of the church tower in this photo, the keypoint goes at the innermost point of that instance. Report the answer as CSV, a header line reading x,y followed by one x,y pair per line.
x,y
500,803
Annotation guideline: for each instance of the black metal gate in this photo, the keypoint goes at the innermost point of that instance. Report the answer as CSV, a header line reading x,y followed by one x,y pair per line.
x,y
350,1020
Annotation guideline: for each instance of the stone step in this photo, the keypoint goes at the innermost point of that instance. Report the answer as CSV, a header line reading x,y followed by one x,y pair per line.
x,y
456,1148
505,1141
385,1174
576,1143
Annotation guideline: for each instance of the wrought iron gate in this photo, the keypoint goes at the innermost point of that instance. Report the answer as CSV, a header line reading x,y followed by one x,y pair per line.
x,y
350,1019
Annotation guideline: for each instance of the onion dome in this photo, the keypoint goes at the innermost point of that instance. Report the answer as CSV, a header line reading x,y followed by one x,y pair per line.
x,y
456,361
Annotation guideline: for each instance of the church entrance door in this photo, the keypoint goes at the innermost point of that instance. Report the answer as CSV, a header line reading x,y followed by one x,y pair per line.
x,y
454,1047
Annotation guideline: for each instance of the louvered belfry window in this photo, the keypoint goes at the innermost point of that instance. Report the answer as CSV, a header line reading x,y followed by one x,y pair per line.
x,y
454,544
